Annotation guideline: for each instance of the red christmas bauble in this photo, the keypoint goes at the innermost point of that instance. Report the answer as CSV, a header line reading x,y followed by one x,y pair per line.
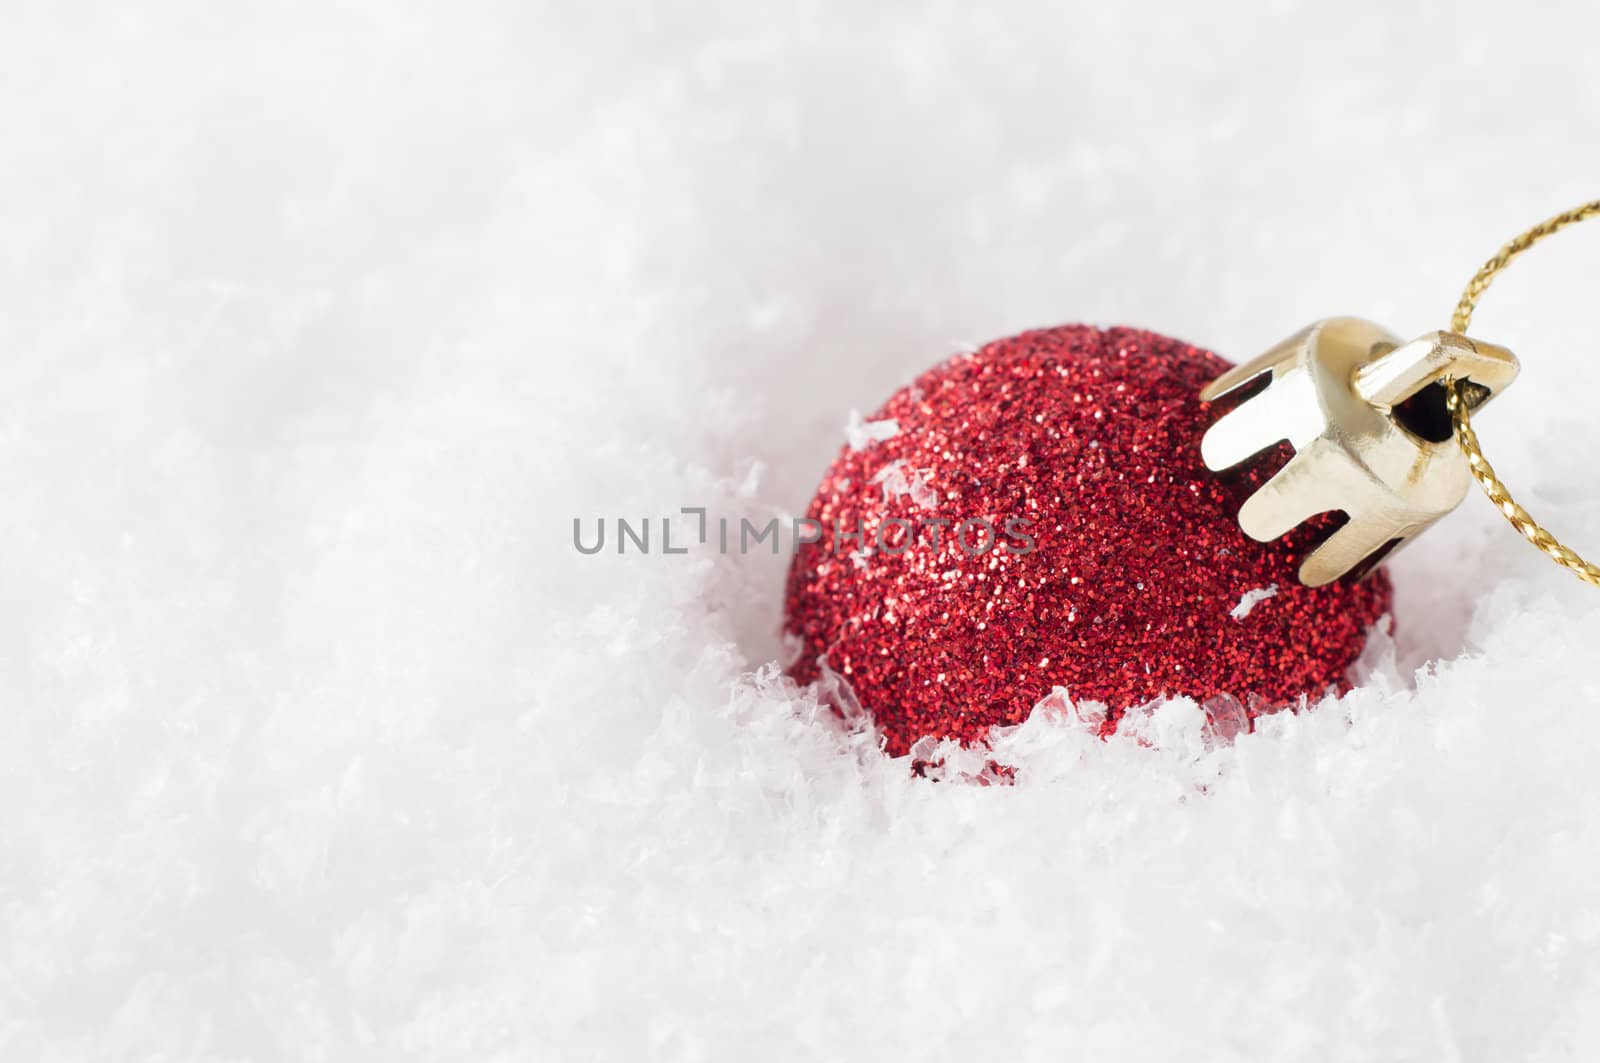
x,y
1036,515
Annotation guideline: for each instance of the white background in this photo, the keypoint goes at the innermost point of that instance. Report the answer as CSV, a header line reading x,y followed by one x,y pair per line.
x,y
319,324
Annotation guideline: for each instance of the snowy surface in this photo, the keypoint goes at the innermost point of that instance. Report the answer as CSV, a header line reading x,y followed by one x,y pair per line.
x,y
320,323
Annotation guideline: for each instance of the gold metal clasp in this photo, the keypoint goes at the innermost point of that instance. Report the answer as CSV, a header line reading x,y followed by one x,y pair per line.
x,y
1367,419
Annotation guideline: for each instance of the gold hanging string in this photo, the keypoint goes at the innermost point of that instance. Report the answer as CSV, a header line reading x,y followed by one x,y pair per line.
x,y
1461,416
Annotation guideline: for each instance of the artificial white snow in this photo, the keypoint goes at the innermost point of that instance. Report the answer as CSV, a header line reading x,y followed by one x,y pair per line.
x,y
1252,598
899,478
319,324
861,434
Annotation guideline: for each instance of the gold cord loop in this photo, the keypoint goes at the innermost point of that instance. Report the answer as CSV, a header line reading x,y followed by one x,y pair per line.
x,y
1461,416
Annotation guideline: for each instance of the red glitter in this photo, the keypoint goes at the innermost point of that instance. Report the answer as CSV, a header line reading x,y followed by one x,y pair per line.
x,y
1138,568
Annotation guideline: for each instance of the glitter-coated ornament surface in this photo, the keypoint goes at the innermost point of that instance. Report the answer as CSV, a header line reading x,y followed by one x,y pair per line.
x,y
1036,515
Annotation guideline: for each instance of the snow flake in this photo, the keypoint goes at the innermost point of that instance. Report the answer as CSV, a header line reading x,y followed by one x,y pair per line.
x,y
1251,599
897,478
862,434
